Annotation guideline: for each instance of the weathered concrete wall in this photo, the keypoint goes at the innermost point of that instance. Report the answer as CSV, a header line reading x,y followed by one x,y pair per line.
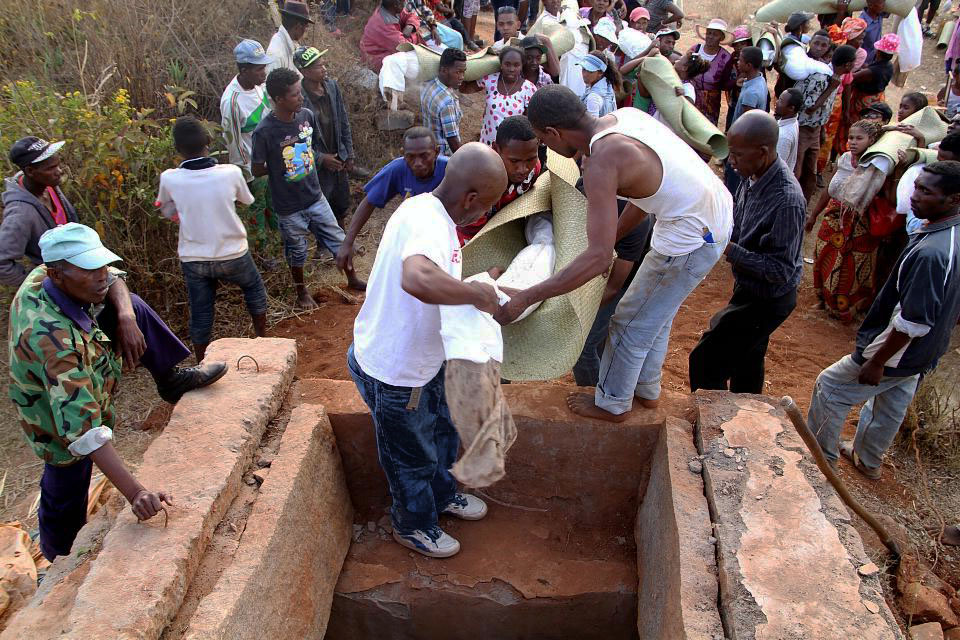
x,y
676,559
281,581
788,555
136,582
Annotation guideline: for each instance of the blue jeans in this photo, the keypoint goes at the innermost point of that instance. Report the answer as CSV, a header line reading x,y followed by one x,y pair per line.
x,y
416,445
640,327
836,391
296,228
202,280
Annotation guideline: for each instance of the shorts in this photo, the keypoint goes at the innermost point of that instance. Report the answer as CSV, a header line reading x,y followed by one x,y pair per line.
x,y
471,8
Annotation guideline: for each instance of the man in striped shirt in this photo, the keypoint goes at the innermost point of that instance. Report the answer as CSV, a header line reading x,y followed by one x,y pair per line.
x,y
243,104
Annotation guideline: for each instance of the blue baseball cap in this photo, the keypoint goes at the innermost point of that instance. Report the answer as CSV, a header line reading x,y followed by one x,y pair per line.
x,y
77,244
591,62
251,52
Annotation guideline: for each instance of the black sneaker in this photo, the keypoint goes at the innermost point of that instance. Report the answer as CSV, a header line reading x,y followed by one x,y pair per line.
x,y
182,380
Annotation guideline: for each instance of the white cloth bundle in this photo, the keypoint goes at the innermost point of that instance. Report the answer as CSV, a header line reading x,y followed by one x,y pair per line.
x,y
911,42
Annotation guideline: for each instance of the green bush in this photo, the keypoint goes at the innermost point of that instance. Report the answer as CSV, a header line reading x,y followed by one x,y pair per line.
x,y
113,159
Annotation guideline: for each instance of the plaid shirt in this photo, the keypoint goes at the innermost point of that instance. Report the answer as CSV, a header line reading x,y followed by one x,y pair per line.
x,y
440,110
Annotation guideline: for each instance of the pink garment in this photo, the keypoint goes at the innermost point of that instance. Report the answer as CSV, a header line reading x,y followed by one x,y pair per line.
x,y
954,47
857,63
381,39
500,106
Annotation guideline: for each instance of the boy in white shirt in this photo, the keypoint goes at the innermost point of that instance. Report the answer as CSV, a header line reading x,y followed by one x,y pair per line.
x,y
397,356
201,195
785,109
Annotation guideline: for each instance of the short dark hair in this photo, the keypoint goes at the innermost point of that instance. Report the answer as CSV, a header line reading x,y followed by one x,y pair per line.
x,y
843,55
554,105
515,128
821,32
948,175
795,98
917,99
752,56
189,135
507,9
951,143
510,49
280,80
450,56
416,133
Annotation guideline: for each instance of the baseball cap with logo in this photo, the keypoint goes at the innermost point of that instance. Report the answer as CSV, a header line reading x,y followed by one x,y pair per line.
x,y
77,244
303,57
31,150
251,52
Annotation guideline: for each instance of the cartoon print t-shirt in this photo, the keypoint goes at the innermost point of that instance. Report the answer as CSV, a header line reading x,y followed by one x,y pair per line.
x,y
287,150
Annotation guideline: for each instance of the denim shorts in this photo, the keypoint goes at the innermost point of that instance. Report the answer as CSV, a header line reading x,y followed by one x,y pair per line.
x,y
202,280
296,228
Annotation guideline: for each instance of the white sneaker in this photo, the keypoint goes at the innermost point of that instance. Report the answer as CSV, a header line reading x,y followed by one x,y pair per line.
x,y
433,542
466,507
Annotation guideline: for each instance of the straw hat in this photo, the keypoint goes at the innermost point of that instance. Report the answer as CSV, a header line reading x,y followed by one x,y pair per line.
x,y
719,25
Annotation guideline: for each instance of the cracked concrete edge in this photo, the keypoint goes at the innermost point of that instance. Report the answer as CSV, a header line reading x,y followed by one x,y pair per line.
x,y
135,584
269,590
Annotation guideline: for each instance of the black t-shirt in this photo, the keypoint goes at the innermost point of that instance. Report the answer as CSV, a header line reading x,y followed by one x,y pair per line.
x,y
287,150
882,74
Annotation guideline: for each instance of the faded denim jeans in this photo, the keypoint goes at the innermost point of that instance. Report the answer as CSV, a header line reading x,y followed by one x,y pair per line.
x,y
640,328
295,229
416,445
836,391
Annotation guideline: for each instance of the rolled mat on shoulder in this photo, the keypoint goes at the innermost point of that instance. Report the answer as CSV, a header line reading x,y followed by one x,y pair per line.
x,y
485,61
661,80
863,186
780,10
946,32
546,344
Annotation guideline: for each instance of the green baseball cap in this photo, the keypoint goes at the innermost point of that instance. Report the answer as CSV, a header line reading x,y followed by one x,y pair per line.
x,y
77,244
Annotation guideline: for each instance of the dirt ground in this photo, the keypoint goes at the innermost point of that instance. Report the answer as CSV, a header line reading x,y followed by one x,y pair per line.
x,y
799,350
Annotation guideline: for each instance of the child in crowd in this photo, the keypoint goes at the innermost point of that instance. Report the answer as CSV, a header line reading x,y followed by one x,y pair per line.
x,y
201,195
507,92
753,95
688,67
602,78
786,108
283,146
910,103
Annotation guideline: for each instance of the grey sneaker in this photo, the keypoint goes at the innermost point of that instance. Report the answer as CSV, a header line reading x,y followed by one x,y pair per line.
x,y
432,542
466,507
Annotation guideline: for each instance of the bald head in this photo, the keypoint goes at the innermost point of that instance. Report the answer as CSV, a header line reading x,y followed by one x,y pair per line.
x,y
473,182
753,143
756,127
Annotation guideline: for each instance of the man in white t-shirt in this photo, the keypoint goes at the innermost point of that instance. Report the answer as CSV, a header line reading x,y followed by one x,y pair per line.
x,y
630,154
201,196
397,356
243,104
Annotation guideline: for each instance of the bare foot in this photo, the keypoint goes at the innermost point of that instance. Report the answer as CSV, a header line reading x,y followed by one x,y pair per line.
x,y
582,404
356,283
306,302
648,404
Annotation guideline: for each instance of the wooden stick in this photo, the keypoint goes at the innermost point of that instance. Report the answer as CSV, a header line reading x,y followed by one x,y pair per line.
x,y
790,407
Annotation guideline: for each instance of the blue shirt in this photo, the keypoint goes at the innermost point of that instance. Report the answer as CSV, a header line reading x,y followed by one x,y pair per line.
x,y
872,33
753,95
397,178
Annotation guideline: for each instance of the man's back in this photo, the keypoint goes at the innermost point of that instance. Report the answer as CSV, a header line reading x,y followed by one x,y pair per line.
x,y
690,201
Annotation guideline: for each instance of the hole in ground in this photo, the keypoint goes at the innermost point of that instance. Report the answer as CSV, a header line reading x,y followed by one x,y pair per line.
x,y
555,558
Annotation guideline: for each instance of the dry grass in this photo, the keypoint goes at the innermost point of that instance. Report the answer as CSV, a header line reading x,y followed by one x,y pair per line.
x,y
933,420
734,12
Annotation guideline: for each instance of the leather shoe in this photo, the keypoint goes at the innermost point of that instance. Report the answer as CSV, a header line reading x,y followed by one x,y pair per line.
x,y
181,380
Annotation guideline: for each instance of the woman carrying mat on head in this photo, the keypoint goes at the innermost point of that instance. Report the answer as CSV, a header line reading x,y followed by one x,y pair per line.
x,y
845,254
711,85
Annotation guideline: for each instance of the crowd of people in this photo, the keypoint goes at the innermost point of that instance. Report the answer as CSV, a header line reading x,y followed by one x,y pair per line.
x,y
659,219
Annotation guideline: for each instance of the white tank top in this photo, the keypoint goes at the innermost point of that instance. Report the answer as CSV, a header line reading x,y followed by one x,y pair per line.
x,y
690,198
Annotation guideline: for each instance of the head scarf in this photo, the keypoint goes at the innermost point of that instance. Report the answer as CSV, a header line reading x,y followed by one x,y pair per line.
x,y
853,27
837,36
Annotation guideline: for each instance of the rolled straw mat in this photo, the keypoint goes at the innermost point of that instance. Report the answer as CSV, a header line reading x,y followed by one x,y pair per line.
x,y
661,80
484,62
780,10
946,32
927,120
547,343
